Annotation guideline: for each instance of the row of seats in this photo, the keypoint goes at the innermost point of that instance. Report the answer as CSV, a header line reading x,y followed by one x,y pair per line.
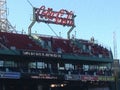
x,y
18,41
59,45
83,47
95,49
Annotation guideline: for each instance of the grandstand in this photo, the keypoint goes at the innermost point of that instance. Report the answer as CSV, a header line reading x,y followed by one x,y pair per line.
x,y
41,62
53,59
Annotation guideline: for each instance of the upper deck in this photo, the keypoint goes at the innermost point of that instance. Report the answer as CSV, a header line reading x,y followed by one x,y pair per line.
x,y
69,48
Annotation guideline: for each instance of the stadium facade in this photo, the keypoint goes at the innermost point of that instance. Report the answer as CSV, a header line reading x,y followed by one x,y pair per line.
x,y
41,62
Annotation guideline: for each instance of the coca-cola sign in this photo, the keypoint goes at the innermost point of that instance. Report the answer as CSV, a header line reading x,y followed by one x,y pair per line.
x,y
62,17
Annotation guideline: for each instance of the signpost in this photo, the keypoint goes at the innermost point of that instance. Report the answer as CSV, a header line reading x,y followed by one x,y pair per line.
x,y
49,16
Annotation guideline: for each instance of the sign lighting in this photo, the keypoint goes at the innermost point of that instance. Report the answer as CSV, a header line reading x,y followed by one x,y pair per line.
x,y
62,17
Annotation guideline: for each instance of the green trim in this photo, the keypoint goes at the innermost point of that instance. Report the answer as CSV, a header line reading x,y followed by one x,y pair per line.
x,y
85,58
9,52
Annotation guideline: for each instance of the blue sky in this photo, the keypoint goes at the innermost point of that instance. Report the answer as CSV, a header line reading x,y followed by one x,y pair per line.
x,y
97,18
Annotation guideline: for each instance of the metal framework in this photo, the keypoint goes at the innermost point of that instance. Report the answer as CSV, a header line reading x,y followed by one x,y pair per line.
x,y
49,16
3,15
115,45
5,25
